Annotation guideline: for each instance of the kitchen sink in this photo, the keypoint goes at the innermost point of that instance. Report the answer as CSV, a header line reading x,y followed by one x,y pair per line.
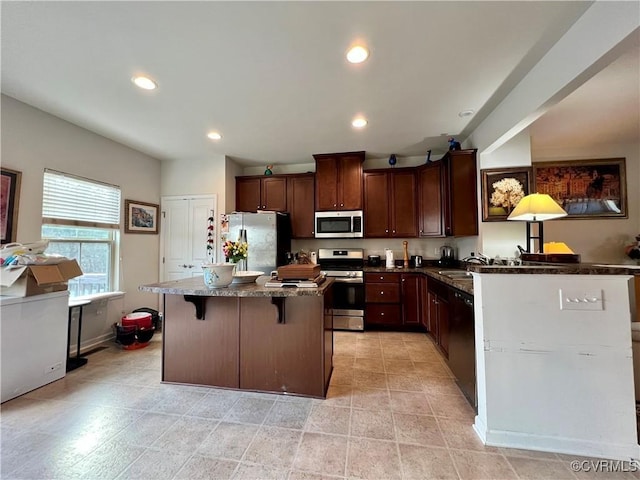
x,y
456,274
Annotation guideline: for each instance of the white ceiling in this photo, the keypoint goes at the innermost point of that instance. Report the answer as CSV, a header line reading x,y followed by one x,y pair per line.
x,y
603,111
272,77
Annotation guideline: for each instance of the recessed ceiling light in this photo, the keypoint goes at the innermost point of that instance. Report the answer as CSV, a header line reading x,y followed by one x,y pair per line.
x,y
214,135
357,54
466,113
359,122
144,82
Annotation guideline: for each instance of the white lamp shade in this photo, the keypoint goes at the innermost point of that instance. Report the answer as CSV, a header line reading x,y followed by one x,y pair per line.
x,y
537,207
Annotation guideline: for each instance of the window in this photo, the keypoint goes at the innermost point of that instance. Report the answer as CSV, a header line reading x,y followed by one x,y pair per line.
x,y
81,220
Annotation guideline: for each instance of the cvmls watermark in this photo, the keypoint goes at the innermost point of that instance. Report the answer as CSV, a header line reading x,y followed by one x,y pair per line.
x,y
608,466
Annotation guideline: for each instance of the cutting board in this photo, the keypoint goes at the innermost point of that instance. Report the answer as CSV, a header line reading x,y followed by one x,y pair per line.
x,y
307,271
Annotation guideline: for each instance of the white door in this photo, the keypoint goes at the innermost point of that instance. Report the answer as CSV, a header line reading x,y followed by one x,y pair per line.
x,y
187,224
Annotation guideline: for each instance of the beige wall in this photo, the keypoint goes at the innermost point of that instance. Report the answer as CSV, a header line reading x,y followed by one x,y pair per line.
x,y
204,176
33,140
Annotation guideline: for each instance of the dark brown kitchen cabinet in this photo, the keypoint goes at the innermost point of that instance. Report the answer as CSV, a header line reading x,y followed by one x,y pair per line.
x,y
261,193
339,181
300,205
438,311
430,216
460,204
248,198
448,203
392,299
382,300
390,207
424,304
410,291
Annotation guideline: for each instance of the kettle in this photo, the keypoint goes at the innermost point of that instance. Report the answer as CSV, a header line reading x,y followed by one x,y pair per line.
x,y
447,256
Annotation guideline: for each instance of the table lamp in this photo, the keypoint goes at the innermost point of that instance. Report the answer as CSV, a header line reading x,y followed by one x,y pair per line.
x,y
536,208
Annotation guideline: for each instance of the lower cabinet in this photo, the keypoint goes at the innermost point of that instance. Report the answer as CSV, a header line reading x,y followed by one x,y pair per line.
x,y
411,305
382,300
438,312
392,299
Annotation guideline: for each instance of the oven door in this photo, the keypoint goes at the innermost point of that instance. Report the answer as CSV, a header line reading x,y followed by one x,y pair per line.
x,y
348,304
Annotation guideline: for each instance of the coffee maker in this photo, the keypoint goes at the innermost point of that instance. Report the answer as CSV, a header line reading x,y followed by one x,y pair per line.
x,y
447,256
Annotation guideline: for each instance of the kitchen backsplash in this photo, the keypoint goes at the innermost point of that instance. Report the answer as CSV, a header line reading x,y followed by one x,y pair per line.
x,y
428,248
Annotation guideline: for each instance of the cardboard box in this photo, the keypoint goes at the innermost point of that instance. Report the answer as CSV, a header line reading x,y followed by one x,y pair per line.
x,y
30,280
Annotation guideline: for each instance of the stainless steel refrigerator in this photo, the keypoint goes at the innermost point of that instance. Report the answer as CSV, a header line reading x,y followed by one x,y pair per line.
x,y
268,236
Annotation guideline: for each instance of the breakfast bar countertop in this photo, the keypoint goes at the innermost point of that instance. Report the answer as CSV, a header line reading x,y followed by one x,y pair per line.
x,y
558,269
195,286
466,284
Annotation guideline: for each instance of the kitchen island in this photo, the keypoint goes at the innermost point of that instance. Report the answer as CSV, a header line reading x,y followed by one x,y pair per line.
x,y
247,336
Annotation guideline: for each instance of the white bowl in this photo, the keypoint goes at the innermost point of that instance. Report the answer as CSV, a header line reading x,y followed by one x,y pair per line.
x,y
246,277
218,275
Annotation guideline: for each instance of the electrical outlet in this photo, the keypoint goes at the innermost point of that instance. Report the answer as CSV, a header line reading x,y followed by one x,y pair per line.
x,y
53,368
436,251
571,299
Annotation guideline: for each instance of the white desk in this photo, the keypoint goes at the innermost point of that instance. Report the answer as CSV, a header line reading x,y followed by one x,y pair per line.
x,y
77,361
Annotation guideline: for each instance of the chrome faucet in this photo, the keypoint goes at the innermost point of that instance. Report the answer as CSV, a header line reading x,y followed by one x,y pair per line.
x,y
479,259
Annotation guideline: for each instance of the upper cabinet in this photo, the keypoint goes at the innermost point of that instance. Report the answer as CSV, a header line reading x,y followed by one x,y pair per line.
x,y
291,193
430,218
300,201
261,193
339,181
461,199
448,204
390,207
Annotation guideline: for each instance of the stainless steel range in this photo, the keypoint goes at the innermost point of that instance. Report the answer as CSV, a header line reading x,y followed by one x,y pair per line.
x,y
345,266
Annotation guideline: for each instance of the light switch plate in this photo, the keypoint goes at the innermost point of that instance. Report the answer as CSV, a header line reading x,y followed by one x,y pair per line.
x,y
571,299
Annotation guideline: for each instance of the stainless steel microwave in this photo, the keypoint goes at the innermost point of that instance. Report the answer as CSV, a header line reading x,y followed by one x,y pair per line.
x,y
346,224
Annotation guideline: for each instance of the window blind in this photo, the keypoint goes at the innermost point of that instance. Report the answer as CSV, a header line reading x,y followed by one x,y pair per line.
x,y
72,200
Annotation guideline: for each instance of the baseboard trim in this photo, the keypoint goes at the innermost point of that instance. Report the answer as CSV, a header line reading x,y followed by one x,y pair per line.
x,y
569,446
92,343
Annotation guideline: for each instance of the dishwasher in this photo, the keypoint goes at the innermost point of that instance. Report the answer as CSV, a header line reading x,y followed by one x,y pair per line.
x,y
462,348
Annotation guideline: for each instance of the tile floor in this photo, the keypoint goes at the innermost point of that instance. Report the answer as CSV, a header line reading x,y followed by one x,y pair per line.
x,y
393,412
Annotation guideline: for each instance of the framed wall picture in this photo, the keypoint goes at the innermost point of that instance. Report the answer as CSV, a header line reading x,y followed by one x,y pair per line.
x,y
9,201
141,217
585,188
502,189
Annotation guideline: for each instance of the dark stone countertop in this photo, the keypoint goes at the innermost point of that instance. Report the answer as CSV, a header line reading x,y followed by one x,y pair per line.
x,y
195,286
558,269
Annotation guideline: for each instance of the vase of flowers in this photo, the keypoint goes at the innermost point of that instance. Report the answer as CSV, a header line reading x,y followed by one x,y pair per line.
x,y
236,252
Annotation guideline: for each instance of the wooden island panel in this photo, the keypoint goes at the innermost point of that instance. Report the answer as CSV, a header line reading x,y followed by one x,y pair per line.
x,y
201,352
282,357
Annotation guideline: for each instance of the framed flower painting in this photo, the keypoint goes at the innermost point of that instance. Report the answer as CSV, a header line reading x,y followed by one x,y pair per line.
x,y
502,189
